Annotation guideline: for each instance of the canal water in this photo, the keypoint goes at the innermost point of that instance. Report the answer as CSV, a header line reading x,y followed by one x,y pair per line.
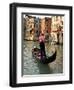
x,y
30,66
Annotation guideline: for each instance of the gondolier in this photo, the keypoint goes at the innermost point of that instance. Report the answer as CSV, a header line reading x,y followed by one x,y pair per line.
x,y
42,45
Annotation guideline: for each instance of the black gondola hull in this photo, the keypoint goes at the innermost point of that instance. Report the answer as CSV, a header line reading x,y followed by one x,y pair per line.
x,y
44,60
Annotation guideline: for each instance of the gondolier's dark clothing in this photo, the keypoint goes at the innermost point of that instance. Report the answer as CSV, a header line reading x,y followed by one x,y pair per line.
x,y
42,46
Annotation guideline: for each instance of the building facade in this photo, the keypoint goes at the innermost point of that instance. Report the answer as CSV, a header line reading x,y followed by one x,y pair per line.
x,y
57,28
29,24
49,26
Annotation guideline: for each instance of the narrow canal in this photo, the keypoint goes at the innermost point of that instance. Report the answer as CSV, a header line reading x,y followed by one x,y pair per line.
x,y
32,67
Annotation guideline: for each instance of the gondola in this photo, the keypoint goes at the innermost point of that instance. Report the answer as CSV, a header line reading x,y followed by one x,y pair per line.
x,y
45,59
